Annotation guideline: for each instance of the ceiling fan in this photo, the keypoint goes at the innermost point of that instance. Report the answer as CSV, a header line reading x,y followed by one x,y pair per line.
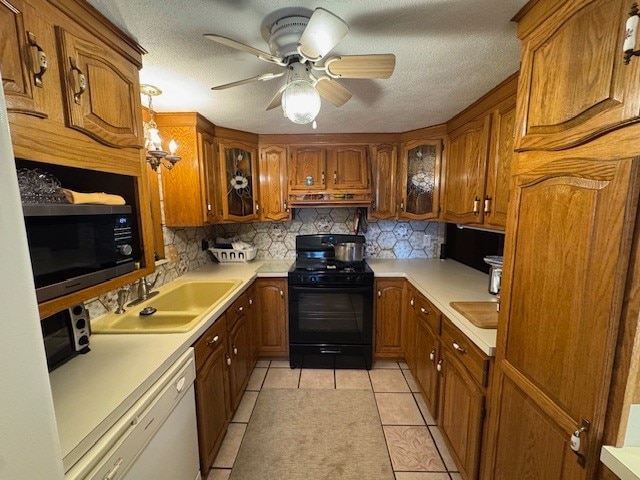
x,y
300,45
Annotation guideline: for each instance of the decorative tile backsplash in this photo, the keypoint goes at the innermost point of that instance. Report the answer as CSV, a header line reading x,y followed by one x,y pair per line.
x,y
384,238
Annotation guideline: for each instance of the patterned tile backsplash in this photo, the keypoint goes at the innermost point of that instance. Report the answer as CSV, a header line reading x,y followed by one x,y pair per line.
x,y
384,239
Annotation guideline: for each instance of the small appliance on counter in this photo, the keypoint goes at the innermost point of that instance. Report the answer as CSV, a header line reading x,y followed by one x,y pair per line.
x,y
66,334
495,272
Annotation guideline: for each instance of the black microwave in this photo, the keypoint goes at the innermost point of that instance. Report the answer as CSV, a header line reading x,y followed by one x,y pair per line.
x,y
65,335
76,246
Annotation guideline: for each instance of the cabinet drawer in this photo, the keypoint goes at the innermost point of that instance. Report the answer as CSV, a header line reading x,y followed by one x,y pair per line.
x,y
239,308
475,361
213,338
428,313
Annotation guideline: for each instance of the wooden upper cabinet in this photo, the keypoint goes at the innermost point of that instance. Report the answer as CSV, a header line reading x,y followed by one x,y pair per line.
x,y
238,181
573,81
20,51
384,167
496,199
272,166
307,168
189,188
420,180
347,168
101,91
466,169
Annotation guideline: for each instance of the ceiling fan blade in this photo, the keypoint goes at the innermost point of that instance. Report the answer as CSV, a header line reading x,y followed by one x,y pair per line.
x,y
323,32
276,101
267,57
259,78
334,92
361,66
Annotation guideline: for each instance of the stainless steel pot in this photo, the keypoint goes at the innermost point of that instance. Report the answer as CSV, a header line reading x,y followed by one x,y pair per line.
x,y
349,252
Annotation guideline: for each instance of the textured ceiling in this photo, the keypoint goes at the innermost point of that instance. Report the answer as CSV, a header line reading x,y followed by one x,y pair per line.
x,y
448,54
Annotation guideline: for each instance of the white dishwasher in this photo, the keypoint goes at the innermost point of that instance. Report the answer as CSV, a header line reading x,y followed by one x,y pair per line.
x,y
156,439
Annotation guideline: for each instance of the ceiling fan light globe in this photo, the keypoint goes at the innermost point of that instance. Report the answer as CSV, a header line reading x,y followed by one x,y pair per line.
x,y
301,102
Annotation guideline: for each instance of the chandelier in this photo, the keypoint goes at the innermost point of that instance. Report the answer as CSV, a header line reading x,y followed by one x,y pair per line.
x,y
156,156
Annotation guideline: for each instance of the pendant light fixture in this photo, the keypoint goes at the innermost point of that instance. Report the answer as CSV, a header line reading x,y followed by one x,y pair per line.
x,y
153,142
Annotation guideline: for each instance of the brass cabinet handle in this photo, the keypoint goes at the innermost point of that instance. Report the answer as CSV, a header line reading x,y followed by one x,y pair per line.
x,y
373,204
631,30
412,302
432,356
323,178
240,309
228,359
439,365
402,206
476,206
251,301
281,294
82,81
574,441
213,340
235,350
458,348
335,177
487,203
379,293
424,311
286,206
257,207
42,60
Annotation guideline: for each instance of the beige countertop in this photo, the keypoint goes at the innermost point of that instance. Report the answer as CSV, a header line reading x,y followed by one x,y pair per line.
x,y
624,462
92,391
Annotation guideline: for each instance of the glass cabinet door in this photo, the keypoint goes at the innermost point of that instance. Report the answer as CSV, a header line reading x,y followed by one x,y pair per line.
x,y
421,180
239,185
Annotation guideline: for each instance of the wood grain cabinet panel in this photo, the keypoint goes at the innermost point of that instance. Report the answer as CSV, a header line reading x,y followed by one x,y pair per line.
x,y
18,57
348,168
573,81
390,317
272,166
239,351
384,168
212,392
496,198
307,162
272,308
426,358
101,91
466,170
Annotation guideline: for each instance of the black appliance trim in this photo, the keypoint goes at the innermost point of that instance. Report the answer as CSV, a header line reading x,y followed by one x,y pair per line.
x,y
63,210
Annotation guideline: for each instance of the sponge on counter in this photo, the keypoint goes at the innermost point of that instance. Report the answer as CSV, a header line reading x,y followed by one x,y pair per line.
x,y
99,198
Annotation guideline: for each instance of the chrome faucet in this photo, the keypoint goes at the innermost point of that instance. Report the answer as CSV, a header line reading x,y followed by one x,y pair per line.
x,y
144,290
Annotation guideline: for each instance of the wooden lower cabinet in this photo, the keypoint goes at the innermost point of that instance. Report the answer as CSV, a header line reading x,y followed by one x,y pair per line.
x,y
272,310
389,317
239,354
460,413
427,355
212,392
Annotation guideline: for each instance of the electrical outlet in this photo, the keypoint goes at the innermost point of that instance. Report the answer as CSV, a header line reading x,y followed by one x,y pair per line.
x,y
426,241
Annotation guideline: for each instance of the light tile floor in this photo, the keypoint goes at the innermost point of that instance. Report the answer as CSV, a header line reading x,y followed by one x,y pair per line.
x,y
416,448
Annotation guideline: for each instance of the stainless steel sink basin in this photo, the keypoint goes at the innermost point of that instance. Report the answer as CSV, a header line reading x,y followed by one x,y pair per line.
x,y
179,307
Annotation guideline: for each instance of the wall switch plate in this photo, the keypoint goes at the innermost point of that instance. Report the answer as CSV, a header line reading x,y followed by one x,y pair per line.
x,y
426,241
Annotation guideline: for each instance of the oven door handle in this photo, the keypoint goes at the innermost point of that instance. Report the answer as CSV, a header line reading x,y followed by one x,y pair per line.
x,y
360,289
331,350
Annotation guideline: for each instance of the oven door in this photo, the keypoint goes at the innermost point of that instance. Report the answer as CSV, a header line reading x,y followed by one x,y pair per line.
x,y
330,315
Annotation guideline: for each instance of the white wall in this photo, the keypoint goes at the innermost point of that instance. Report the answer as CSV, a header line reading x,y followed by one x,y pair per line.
x,y
29,446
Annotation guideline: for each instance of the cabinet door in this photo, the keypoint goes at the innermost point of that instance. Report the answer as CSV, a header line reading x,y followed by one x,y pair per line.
x,y
420,180
272,309
466,169
18,56
254,330
347,168
573,81
101,91
409,332
239,354
460,415
212,400
307,162
496,197
211,198
390,299
567,255
239,183
273,183
427,355
384,166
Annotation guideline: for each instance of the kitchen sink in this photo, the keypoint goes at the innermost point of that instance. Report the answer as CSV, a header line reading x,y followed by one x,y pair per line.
x,y
178,307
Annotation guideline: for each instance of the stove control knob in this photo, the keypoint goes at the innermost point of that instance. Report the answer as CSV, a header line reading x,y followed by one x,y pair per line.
x,y
313,279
